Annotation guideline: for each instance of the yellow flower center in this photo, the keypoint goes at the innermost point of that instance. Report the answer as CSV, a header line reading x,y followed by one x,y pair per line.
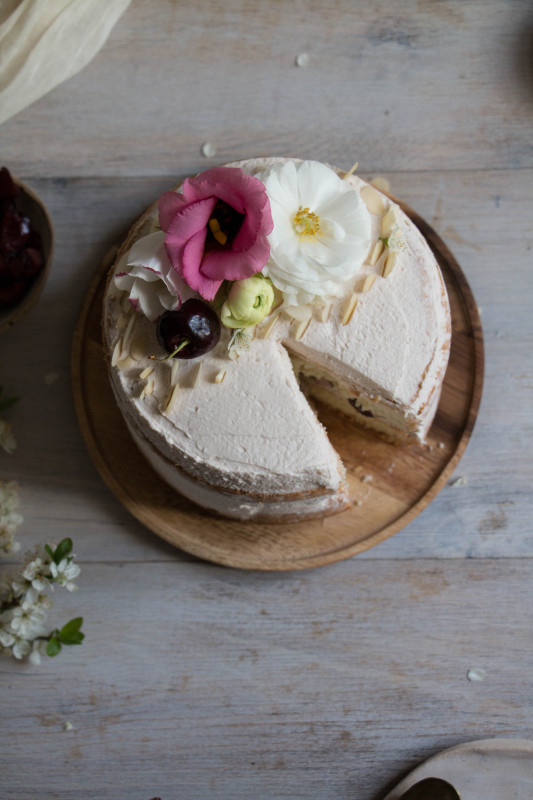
x,y
305,222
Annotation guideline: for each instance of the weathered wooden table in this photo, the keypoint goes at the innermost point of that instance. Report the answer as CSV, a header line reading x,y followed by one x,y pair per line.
x,y
198,681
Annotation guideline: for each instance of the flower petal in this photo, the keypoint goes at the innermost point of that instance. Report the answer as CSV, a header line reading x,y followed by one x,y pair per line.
x,y
170,204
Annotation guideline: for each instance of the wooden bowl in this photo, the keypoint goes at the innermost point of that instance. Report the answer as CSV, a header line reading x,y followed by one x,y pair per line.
x,y
29,204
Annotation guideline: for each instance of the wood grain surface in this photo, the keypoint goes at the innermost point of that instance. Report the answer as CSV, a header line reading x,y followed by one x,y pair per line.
x,y
198,681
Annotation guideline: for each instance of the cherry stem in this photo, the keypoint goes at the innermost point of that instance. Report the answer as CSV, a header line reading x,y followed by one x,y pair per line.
x,y
182,344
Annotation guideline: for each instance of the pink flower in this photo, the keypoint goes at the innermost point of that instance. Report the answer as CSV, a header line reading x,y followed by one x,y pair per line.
x,y
217,228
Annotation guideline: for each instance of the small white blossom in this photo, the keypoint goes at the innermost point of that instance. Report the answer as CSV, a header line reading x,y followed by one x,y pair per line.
x,y
9,496
36,599
239,343
26,621
64,573
38,650
6,638
7,440
10,519
21,648
397,241
32,569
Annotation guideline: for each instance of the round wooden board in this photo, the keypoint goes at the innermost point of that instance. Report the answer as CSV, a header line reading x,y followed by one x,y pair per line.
x,y
404,478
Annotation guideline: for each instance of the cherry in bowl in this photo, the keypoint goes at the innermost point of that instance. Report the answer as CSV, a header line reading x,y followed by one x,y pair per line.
x,y
26,244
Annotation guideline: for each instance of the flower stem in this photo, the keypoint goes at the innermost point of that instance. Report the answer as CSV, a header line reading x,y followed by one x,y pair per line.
x,y
181,345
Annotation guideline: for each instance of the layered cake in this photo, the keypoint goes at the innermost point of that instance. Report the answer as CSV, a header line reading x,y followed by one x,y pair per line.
x,y
245,294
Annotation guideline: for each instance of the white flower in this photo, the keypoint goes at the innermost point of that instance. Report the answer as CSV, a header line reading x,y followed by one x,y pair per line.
x,y
35,573
7,440
38,650
36,599
394,238
33,569
9,497
6,638
239,343
26,622
152,284
64,573
21,648
10,520
321,231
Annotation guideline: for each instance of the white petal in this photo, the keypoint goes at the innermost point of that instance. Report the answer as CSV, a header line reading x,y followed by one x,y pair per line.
x,y
146,251
316,184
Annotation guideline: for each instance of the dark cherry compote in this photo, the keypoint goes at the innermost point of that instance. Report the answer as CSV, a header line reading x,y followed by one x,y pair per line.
x,y
21,257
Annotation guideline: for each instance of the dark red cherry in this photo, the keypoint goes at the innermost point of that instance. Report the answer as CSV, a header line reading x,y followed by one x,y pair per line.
x,y
33,262
189,331
14,231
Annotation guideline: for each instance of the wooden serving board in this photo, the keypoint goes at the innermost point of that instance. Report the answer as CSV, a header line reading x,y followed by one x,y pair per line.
x,y
404,479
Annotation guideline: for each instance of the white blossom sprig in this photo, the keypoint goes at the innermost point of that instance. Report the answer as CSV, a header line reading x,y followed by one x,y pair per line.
x,y
25,601
10,519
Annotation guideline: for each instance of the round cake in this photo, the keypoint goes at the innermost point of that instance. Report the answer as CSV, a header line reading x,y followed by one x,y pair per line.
x,y
244,294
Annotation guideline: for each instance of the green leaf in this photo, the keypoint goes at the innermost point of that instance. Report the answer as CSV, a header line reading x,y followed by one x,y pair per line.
x,y
74,638
70,633
49,551
72,626
63,549
53,647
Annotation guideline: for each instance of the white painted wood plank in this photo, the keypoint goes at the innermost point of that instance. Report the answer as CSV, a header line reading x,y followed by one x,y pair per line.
x,y
403,86
198,681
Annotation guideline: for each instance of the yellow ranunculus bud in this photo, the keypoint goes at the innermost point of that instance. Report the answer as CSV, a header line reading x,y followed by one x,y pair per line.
x,y
248,302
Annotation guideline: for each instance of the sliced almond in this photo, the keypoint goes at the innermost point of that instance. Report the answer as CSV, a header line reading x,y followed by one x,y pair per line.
x,y
301,328
381,182
219,377
373,200
122,321
389,221
174,371
128,332
125,363
369,282
150,386
351,170
390,261
117,351
350,308
325,312
376,252
301,313
145,373
172,399
267,330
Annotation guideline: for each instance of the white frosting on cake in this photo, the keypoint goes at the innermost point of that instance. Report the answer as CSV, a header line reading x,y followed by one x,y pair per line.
x,y
239,437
